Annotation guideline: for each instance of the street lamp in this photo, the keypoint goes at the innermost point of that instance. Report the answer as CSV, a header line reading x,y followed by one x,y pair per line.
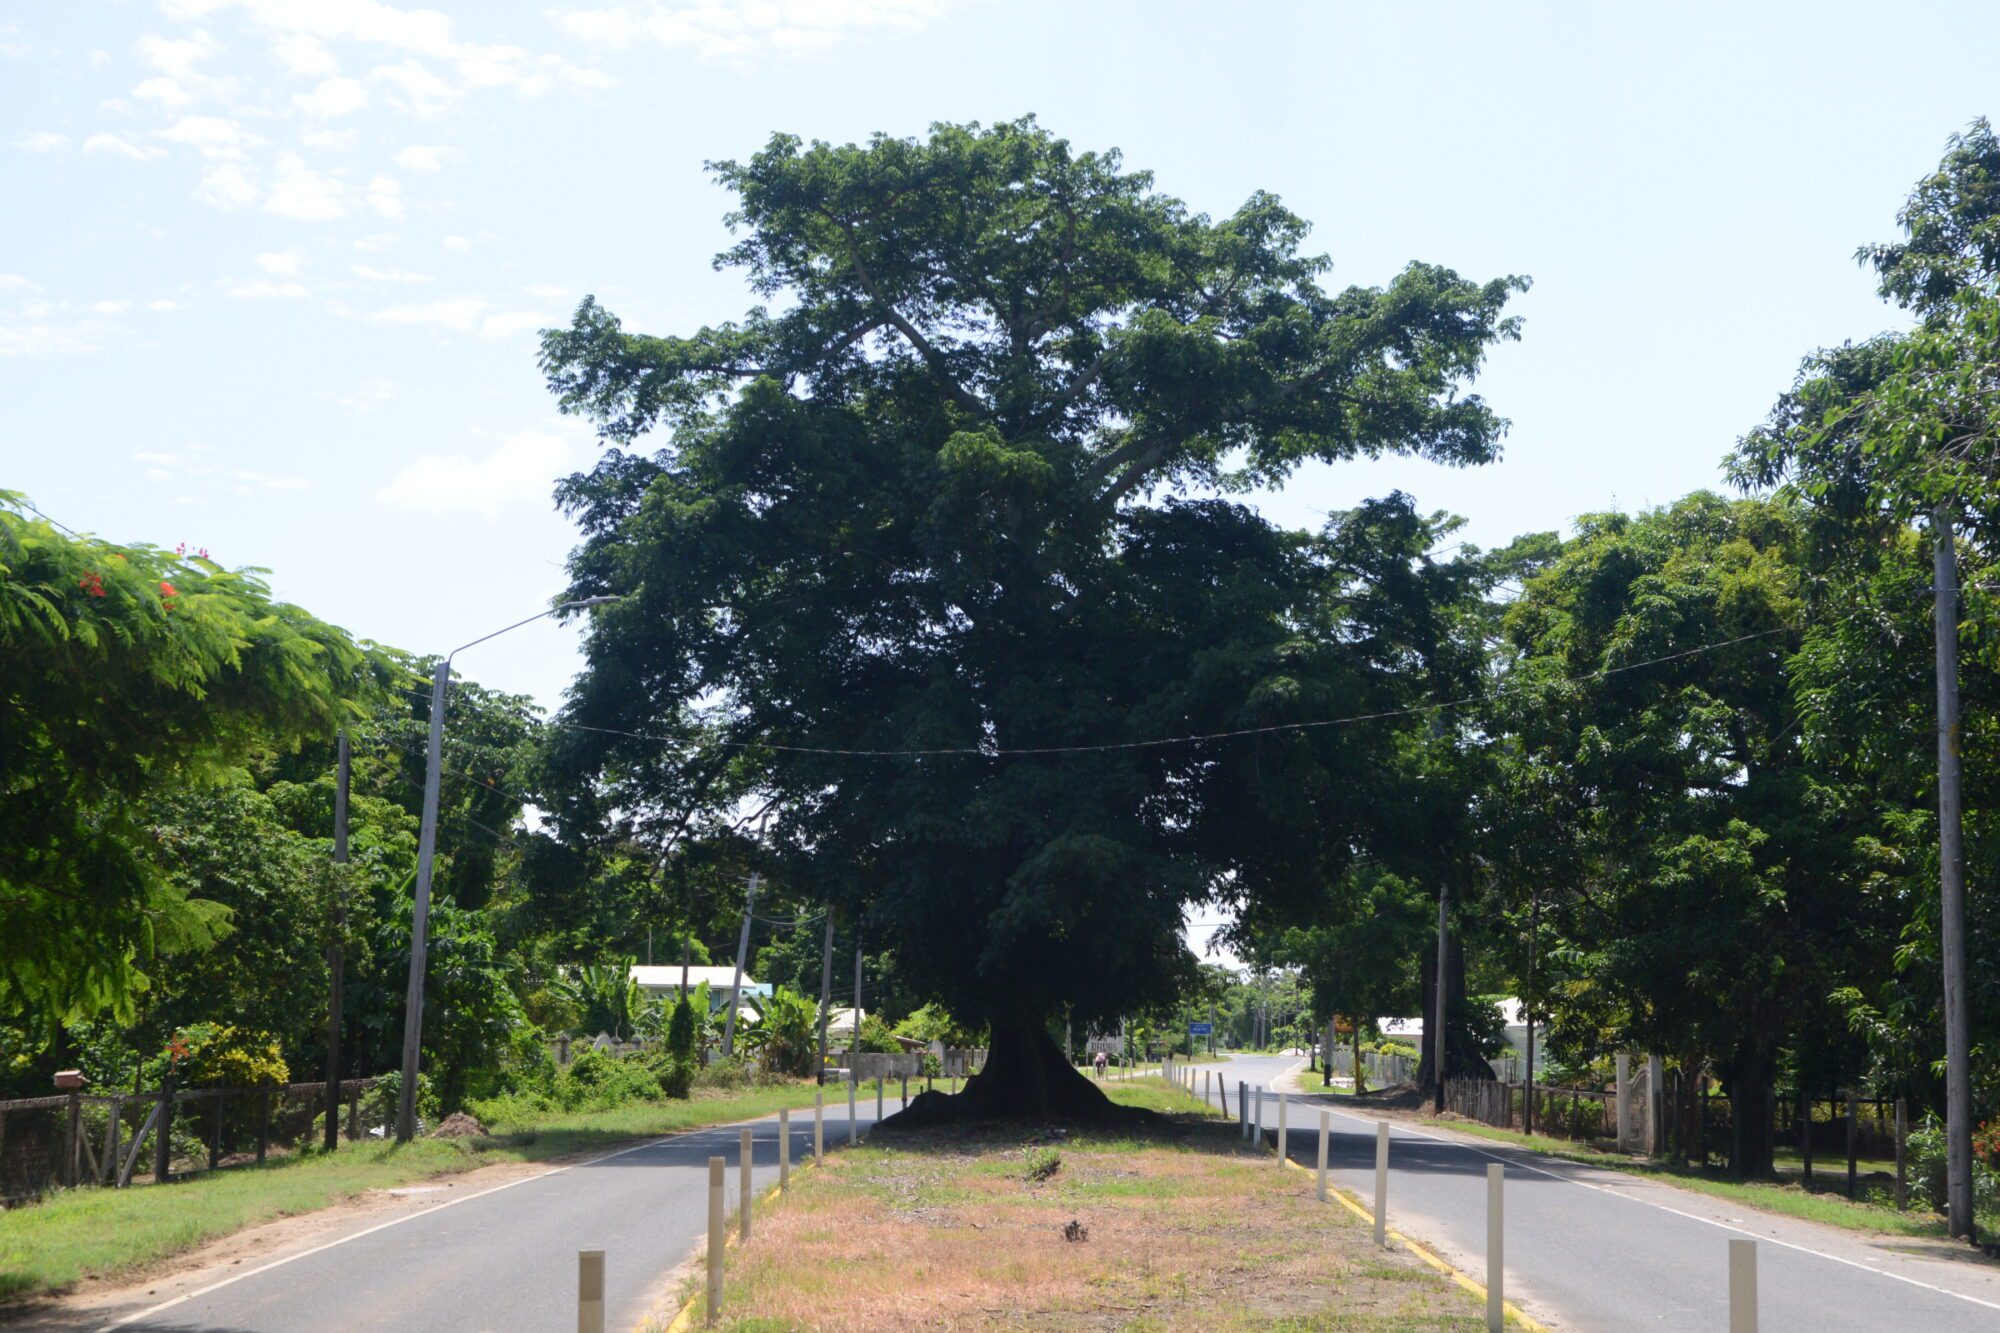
x,y
420,917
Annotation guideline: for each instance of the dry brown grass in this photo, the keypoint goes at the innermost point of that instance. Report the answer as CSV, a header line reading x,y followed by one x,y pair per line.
x,y
1187,1229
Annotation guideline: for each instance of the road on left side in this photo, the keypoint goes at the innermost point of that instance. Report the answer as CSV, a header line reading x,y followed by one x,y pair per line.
x,y
501,1259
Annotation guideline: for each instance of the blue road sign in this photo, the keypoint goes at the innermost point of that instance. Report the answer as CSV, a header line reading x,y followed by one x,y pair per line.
x,y
1200,1029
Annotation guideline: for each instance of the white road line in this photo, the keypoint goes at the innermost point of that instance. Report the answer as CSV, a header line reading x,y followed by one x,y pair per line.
x,y
411,1216
1693,1217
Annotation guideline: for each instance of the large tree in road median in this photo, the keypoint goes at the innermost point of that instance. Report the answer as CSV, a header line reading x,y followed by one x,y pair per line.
x,y
956,495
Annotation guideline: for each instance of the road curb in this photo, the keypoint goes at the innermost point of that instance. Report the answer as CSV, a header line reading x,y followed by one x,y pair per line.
x,y
1514,1312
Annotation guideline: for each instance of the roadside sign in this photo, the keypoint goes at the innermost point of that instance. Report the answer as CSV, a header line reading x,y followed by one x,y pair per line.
x,y
1200,1029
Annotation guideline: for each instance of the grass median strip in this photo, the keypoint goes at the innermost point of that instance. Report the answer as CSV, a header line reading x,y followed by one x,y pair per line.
x,y
88,1233
1179,1227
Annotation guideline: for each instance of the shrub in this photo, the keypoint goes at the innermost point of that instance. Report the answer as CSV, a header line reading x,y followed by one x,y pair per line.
x,y
723,1074
1928,1174
1042,1163
598,1081
681,1032
378,1106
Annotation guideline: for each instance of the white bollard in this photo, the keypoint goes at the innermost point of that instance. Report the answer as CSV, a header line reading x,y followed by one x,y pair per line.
x,y
819,1127
784,1149
590,1291
1496,1261
853,1124
1742,1286
1382,1182
746,1154
716,1219
1325,1128
1282,1100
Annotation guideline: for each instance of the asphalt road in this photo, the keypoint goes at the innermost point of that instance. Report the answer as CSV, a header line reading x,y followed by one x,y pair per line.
x,y
1590,1249
506,1259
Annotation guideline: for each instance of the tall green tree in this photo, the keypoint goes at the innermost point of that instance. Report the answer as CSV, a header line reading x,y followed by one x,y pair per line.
x,y
948,498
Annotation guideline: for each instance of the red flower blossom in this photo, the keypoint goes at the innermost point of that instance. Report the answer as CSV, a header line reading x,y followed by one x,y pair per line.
x,y
92,583
167,590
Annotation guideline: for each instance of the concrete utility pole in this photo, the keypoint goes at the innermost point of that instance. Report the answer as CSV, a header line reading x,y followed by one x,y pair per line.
x,y
825,995
420,914
1951,884
335,952
742,953
1528,1011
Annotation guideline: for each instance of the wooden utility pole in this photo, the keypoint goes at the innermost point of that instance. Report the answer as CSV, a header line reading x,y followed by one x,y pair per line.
x,y
1438,1041
1951,885
742,953
335,950
825,994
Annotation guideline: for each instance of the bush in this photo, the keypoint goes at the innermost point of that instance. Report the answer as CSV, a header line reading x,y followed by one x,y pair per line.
x,y
596,1081
681,1032
1042,1163
723,1075
378,1106
1928,1173
675,1077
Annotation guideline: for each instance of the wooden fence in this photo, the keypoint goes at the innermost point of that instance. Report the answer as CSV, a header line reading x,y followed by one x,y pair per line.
x,y
114,1139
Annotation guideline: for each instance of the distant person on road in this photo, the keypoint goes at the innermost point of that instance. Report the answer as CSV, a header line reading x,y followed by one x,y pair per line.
x,y
1100,1062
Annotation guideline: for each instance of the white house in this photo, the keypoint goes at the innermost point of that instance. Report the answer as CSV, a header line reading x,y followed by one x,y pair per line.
x,y
665,982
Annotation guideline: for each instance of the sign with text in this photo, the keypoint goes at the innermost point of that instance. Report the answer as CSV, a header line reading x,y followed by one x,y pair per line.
x,y
1200,1029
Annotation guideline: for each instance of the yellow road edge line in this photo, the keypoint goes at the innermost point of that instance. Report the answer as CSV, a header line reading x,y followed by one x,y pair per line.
x,y
1512,1310
685,1319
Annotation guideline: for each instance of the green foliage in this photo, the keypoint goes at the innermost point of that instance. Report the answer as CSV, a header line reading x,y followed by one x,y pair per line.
x,y
220,1055
723,1075
1927,1154
787,1033
1040,1163
605,997
681,1032
939,496
123,670
379,1105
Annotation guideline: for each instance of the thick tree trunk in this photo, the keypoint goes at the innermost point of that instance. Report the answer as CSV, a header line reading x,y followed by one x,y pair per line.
x,y
1025,1078
1752,1071
1460,1060
1360,1079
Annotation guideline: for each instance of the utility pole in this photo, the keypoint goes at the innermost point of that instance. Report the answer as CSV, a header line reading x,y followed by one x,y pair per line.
x,y
856,1047
825,993
1951,885
1528,1011
1438,1042
335,950
736,986
420,912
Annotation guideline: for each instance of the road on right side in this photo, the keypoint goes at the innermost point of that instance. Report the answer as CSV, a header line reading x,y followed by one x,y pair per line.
x,y
1590,1249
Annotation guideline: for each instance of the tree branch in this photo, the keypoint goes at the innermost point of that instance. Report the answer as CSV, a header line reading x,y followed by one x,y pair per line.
x,y
932,357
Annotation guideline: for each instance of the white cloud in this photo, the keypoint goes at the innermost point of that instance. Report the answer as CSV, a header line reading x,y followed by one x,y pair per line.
x,y
742,31
458,245
385,196
303,193
117,145
197,462
463,314
165,91
303,53
110,307
416,88
425,158
225,186
40,141
214,137
283,263
376,243
521,469
40,328
328,141
268,291
164,306
14,282
334,97
99,59
176,56
400,277
366,396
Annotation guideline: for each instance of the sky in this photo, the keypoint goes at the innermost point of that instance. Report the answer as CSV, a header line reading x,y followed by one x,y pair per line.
x,y
271,271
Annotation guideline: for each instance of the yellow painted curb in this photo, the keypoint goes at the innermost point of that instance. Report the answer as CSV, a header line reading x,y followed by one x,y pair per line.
x,y
1513,1311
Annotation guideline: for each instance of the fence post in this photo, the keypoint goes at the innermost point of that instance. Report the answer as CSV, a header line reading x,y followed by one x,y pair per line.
x,y
853,1124
784,1149
73,1140
715,1227
163,1132
264,1127
1282,1100
1243,1107
1850,1143
1805,1136
819,1127
215,1129
1742,1286
878,1096
112,1132
590,1291
1624,1073
1325,1122
1902,1176
1382,1182
747,1156
1496,1238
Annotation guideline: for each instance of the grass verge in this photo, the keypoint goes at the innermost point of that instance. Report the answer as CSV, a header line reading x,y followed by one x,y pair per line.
x,y
85,1233
1785,1196
1177,1227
